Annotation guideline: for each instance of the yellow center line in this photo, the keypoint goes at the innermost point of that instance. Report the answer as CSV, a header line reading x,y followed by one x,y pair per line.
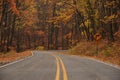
x,y
58,62
58,70
65,77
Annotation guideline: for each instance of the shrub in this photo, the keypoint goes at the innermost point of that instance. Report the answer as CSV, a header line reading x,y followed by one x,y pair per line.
x,y
40,48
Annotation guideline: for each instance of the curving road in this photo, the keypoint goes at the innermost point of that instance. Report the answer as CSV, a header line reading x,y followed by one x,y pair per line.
x,y
49,65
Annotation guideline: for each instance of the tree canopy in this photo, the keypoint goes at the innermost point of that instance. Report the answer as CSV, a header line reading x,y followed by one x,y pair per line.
x,y
56,24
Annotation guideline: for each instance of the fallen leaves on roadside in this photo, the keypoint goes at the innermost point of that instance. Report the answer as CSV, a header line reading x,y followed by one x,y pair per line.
x,y
12,56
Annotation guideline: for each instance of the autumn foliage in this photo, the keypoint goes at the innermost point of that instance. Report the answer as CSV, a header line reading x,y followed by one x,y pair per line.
x,y
13,7
56,24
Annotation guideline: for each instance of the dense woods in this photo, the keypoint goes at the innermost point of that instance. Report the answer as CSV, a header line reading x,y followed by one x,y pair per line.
x,y
56,24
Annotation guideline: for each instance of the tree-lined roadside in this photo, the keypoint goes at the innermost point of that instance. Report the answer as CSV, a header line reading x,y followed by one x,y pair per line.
x,y
56,24
17,22
108,53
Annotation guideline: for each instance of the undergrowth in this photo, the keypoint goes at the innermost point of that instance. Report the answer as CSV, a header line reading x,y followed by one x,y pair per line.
x,y
106,52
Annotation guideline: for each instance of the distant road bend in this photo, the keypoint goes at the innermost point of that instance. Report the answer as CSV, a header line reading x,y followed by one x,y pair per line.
x,y
50,65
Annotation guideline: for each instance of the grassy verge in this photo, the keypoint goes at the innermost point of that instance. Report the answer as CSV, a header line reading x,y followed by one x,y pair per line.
x,y
107,53
13,56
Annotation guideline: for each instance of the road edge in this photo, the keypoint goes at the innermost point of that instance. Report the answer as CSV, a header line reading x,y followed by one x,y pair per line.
x,y
106,63
100,61
16,61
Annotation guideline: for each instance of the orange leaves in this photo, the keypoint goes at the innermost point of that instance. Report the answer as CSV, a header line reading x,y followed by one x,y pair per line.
x,y
28,12
12,56
27,1
41,33
68,36
13,7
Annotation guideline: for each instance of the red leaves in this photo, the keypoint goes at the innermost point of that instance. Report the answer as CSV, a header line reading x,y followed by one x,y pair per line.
x,y
13,7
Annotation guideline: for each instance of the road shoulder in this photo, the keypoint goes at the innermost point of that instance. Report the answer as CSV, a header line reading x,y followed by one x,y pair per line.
x,y
17,57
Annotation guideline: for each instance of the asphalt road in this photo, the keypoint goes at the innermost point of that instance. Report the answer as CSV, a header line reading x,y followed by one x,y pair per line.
x,y
44,65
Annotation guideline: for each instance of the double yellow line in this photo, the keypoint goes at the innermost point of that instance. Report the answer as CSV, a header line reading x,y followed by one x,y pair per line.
x,y
59,61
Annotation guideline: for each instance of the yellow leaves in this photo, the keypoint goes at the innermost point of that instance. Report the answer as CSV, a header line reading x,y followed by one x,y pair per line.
x,y
62,17
59,3
84,33
67,18
109,18
113,16
87,22
110,3
97,14
32,5
81,5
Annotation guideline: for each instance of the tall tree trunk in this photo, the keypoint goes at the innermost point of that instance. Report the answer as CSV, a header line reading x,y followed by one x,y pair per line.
x,y
56,37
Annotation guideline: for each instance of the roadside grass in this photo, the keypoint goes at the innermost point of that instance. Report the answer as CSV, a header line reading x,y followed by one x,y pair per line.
x,y
12,56
106,52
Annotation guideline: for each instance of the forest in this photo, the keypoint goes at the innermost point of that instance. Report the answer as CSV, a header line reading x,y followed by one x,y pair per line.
x,y
56,24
